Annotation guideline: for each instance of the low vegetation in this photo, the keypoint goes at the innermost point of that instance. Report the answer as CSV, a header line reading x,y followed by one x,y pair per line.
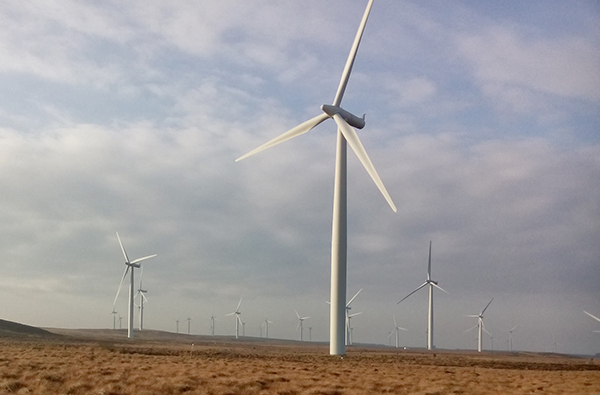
x,y
78,366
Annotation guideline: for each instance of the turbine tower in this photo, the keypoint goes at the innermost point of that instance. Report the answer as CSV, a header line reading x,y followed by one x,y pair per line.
x,y
431,285
300,321
238,320
189,320
129,265
346,134
480,325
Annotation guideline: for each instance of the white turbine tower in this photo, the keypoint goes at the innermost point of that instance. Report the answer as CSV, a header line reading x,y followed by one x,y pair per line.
x,y
594,317
510,344
141,292
212,321
431,285
238,320
348,317
300,321
349,339
480,325
129,265
189,320
397,330
345,122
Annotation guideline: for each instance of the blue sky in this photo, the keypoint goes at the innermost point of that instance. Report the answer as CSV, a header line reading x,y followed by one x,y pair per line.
x,y
482,120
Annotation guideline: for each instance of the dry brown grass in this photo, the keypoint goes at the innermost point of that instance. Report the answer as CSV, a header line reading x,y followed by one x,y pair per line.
x,y
143,367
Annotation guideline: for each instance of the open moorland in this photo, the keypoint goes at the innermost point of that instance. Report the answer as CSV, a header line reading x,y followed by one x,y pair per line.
x,y
105,362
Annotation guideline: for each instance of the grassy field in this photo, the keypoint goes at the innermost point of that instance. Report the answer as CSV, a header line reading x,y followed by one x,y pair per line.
x,y
104,362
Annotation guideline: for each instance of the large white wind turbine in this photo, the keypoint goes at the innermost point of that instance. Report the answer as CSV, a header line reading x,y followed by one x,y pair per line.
x,y
238,320
141,292
345,122
129,265
349,316
431,285
300,321
480,324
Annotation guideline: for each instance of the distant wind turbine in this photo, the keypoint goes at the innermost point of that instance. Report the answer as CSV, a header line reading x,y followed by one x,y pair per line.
x,y
141,292
212,322
300,321
397,330
120,322
479,324
238,320
266,323
177,324
349,316
114,314
133,265
510,343
345,122
429,282
189,320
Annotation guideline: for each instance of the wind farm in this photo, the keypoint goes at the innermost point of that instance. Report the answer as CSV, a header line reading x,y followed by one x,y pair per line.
x,y
482,121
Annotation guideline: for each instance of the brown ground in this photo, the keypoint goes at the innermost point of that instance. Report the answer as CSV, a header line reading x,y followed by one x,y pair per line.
x,y
104,362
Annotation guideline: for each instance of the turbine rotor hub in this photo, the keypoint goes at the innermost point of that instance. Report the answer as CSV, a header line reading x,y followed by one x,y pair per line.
x,y
352,119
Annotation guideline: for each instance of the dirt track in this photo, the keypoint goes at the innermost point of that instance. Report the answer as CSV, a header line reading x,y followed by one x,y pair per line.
x,y
99,365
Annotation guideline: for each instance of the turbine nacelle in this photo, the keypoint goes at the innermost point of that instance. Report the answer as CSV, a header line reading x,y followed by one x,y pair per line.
x,y
352,119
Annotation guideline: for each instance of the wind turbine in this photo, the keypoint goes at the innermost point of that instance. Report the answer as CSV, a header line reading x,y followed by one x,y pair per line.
x,y
114,314
120,322
348,316
212,322
177,323
266,323
510,344
429,282
300,320
397,330
345,122
141,292
133,265
349,326
238,320
594,317
479,324
188,321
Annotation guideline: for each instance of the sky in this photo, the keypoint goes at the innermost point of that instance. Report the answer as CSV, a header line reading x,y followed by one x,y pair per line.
x,y
482,119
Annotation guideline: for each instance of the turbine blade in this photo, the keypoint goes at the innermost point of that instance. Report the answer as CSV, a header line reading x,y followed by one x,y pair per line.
x,y
145,299
120,285
305,318
123,249
297,131
350,62
470,329
593,316
237,309
404,329
298,315
472,315
143,259
351,300
485,330
429,263
488,305
421,286
227,315
515,327
352,138
395,323
355,314
440,288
